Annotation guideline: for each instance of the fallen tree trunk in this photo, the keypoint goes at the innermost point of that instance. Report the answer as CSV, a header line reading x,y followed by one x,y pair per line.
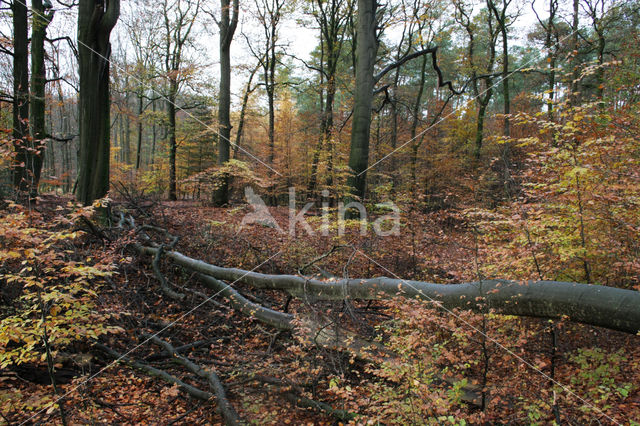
x,y
319,331
602,306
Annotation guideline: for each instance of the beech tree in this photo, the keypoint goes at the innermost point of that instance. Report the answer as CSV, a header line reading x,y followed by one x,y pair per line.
x,y
366,51
42,16
269,15
22,164
96,19
227,25
332,17
178,19
481,31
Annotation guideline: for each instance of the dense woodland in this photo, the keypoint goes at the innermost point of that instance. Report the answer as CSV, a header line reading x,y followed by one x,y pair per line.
x,y
175,246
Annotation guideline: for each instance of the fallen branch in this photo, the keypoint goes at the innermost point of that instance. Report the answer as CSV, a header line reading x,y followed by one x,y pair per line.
x,y
240,303
191,390
304,402
164,285
183,348
226,409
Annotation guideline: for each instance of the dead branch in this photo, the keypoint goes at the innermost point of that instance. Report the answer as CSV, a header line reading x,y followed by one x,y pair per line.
x,y
226,409
191,390
164,285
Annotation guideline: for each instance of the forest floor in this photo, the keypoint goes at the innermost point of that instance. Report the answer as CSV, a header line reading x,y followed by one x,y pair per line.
x,y
246,354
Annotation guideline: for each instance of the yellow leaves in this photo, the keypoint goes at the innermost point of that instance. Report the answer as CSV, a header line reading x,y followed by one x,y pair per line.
x,y
34,258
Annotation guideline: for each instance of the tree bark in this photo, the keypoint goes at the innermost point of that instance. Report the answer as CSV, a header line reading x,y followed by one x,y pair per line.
x,y
96,19
139,142
574,84
243,111
361,123
21,176
171,118
596,305
227,27
41,19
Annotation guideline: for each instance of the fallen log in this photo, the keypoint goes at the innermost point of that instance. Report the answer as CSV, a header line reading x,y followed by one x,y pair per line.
x,y
319,331
603,306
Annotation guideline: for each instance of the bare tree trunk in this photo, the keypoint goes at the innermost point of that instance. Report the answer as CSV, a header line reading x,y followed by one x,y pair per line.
x,y
153,134
227,27
361,122
171,118
96,19
415,145
139,143
574,96
21,177
243,111
41,20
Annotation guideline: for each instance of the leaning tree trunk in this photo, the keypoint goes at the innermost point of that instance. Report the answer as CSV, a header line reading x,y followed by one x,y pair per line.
x,y
366,47
21,177
96,19
243,111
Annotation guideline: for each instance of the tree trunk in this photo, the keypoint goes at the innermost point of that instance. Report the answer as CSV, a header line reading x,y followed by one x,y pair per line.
x,y
139,143
154,134
243,111
171,117
41,20
482,109
96,19
574,96
361,122
505,80
597,305
415,145
21,176
552,51
227,28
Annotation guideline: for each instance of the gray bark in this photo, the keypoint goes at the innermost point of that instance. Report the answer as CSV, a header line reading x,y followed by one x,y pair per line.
x,y
227,27
366,49
41,19
596,305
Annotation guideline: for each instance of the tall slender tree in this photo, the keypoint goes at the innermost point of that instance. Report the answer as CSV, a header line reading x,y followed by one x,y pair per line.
x,y
227,25
269,14
179,18
331,17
